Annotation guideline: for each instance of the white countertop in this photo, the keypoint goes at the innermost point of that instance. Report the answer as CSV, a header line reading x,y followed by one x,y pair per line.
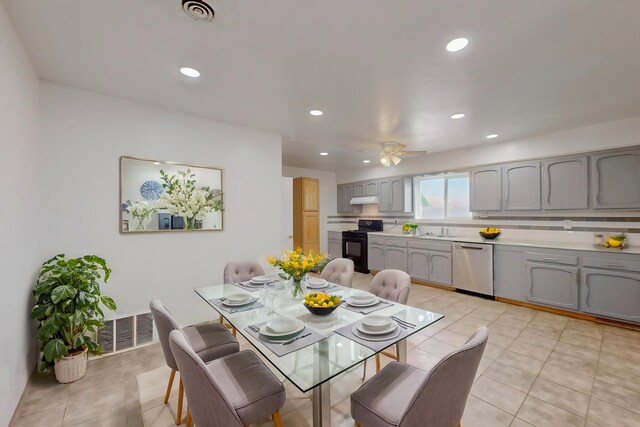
x,y
519,242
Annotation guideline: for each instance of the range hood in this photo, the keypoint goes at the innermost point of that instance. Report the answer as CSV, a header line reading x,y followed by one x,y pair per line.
x,y
369,200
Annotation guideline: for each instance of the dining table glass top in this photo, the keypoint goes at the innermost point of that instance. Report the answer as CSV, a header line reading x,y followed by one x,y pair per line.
x,y
311,366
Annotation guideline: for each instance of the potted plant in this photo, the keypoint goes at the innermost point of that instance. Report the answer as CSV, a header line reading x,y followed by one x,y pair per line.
x,y
67,307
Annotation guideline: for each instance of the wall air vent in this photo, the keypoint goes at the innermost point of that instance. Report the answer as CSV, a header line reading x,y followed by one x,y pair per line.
x,y
126,333
198,10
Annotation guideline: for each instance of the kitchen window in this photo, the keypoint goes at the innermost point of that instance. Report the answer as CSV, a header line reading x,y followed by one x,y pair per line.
x,y
442,196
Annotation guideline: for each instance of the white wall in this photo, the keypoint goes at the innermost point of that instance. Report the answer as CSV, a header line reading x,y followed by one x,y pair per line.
x,y
620,133
83,134
328,196
19,216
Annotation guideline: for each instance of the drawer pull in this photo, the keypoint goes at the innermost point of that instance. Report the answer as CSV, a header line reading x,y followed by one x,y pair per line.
x,y
550,259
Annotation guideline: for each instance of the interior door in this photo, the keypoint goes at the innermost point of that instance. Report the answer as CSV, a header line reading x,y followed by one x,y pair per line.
x,y
287,212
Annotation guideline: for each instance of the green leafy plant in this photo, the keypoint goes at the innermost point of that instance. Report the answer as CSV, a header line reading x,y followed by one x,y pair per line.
x,y
67,306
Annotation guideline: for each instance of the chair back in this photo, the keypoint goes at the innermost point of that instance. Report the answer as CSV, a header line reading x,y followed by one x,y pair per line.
x,y
442,400
235,272
208,405
339,271
165,323
393,285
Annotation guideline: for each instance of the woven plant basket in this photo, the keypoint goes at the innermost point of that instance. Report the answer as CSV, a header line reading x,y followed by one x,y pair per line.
x,y
71,368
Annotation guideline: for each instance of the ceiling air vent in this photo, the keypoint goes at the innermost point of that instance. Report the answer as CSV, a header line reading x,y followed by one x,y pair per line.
x,y
198,10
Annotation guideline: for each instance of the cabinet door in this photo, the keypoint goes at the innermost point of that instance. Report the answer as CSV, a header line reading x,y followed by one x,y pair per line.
x,y
358,190
555,285
397,195
335,248
384,195
371,188
440,268
376,257
311,195
310,232
565,183
419,264
509,274
344,199
521,186
339,192
616,180
395,258
611,293
485,190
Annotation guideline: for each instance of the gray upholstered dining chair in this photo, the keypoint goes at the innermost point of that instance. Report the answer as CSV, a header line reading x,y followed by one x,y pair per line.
x,y
339,271
392,285
235,390
208,340
403,395
235,272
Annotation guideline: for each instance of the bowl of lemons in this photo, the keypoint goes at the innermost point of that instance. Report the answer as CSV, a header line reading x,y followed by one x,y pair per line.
x,y
490,233
321,304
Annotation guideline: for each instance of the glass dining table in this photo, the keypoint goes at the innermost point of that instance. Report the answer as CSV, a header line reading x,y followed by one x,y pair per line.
x,y
312,367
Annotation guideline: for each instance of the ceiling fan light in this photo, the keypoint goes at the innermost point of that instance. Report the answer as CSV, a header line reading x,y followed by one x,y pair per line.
x,y
385,161
395,159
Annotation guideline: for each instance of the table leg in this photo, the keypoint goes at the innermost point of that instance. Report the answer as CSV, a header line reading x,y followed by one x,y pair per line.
x,y
401,349
322,405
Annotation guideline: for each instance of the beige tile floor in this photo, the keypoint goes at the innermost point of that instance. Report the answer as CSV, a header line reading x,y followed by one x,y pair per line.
x,y
538,369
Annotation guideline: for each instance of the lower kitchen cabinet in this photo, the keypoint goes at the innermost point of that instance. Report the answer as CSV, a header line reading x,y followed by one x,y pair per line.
x,y
395,258
335,248
509,274
555,285
418,264
611,293
376,257
440,268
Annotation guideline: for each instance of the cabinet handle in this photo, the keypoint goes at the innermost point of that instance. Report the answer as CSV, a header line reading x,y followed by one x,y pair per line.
x,y
475,248
550,259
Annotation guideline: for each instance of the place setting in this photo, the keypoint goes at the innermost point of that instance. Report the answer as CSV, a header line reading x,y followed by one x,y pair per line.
x,y
317,283
375,331
235,303
258,282
365,303
284,335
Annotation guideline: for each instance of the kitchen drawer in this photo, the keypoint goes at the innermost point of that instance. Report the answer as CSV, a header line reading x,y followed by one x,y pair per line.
x,y
396,243
374,240
613,264
335,235
433,245
552,258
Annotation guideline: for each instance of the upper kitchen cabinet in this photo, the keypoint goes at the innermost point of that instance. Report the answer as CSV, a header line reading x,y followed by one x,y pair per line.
x,y
616,180
371,188
358,189
345,193
395,195
521,186
565,183
485,189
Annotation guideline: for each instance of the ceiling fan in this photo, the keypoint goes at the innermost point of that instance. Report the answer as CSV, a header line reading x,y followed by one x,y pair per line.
x,y
393,152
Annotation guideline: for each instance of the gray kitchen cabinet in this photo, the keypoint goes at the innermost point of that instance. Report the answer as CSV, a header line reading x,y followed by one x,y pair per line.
x,y
521,186
565,183
418,264
395,195
509,273
345,193
616,180
371,188
611,293
376,257
485,189
552,284
440,268
395,258
358,189
335,248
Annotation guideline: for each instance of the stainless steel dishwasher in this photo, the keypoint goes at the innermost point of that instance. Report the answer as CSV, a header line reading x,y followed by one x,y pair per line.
x,y
473,267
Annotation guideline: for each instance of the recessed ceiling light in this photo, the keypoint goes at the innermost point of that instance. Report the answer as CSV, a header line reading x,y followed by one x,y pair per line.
x,y
457,44
492,136
457,116
315,112
190,72
366,161
324,154
156,163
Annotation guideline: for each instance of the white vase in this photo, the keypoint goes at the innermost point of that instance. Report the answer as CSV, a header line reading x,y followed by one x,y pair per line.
x,y
71,368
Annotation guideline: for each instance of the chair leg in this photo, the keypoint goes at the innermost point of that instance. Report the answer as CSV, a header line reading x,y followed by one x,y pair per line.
x,y
277,422
357,424
233,331
377,362
221,319
180,397
189,421
168,393
364,372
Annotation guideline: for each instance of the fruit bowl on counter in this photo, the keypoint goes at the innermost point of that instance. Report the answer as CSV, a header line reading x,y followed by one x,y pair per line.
x,y
490,233
321,304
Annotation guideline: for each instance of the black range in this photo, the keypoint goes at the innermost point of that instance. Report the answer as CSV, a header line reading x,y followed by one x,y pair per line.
x,y
355,243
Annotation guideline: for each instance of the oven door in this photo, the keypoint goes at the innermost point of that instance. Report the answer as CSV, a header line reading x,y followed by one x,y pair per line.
x,y
355,248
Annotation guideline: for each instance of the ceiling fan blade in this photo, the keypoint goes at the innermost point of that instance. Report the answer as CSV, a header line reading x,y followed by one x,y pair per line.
x,y
411,153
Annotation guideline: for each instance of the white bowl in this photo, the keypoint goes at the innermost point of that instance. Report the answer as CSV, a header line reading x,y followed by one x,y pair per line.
x,y
281,325
238,297
376,322
362,297
316,281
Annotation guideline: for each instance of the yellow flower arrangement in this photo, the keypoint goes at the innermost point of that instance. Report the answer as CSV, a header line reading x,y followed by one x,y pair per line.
x,y
296,264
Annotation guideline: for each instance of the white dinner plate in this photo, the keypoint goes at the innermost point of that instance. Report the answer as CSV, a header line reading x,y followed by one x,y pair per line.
x,y
353,303
368,337
376,322
239,304
264,331
259,284
389,329
282,325
362,296
239,297
318,286
316,281
263,279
